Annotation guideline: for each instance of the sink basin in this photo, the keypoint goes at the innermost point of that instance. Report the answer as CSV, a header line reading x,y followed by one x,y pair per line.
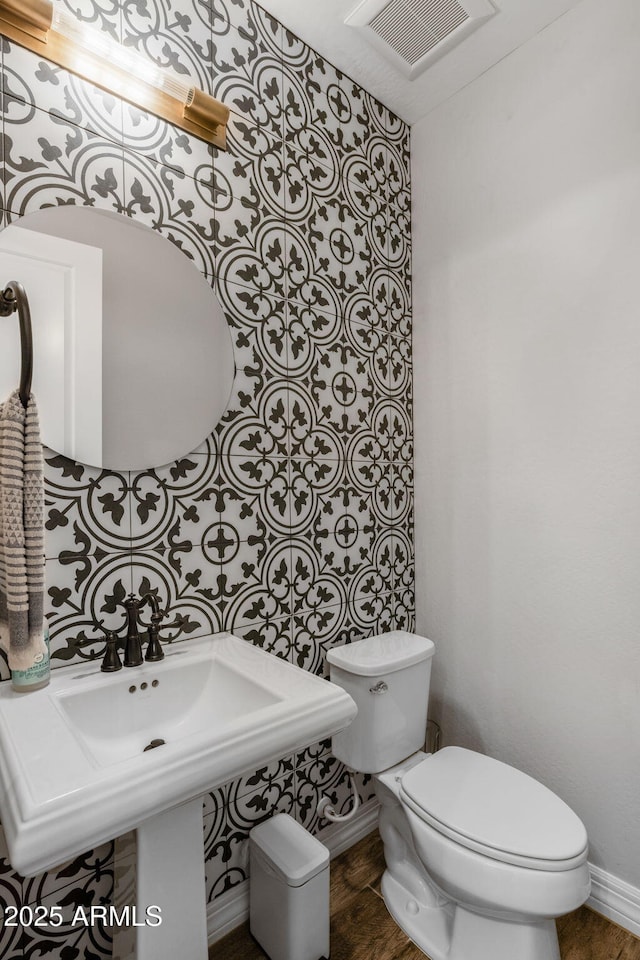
x,y
118,720
74,771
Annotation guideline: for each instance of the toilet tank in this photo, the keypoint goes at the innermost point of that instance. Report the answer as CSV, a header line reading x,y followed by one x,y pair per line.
x,y
388,677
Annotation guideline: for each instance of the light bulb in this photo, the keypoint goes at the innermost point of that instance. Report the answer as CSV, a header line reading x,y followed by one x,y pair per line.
x,y
92,41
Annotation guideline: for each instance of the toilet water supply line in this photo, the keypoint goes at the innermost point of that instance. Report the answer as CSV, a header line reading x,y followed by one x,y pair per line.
x,y
327,811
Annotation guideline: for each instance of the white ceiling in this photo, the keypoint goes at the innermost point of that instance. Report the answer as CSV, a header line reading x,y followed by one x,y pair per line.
x,y
321,25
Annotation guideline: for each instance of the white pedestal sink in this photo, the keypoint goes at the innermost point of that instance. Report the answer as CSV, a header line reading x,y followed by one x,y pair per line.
x,y
74,772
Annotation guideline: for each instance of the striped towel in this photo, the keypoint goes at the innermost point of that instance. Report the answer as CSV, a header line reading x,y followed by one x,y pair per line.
x,y
21,533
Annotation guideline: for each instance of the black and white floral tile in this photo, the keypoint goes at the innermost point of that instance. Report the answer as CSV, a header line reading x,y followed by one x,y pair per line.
x,y
292,523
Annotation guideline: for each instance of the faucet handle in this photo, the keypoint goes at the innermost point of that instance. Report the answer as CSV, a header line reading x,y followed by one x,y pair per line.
x,y
154,646
111,658
154,650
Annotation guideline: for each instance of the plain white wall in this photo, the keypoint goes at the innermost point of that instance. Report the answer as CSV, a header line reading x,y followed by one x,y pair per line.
x,y
526,191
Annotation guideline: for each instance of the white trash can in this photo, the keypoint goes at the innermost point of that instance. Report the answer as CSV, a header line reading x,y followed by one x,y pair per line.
x,y
289,890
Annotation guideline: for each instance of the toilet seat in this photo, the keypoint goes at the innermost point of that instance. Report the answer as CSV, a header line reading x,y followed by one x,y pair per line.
x,y
494,809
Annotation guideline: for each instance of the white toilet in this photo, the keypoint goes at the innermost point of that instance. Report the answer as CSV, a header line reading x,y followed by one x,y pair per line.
x,y
481,858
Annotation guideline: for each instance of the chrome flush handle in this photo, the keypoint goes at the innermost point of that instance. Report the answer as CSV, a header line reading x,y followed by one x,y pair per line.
x,y
380,687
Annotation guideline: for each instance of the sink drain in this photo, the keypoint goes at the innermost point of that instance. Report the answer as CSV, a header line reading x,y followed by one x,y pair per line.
x,y
153,745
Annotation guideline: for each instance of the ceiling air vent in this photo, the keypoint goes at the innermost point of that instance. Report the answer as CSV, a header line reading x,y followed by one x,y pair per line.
x,y
412,34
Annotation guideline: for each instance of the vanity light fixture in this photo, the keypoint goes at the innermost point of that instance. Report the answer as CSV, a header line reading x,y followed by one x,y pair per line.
x,y
57,35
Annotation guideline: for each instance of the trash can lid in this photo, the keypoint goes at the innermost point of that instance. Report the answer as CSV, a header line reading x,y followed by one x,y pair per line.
x,y
290,849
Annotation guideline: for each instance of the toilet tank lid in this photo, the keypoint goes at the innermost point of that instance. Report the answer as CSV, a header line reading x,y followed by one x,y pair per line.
x,y
384,653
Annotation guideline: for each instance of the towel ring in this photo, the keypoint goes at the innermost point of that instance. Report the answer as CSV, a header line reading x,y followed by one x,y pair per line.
x,y
13,298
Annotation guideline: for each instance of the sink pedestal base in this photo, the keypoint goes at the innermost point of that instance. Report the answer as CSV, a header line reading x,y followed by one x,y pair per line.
x,y
170,876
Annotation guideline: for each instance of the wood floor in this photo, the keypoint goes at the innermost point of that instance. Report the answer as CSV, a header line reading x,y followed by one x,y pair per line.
x,y
357,909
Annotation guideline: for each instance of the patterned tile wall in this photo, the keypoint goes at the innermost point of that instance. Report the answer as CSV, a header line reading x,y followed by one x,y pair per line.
x,y
291,525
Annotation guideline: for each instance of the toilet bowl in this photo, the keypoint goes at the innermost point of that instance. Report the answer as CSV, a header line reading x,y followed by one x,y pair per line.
x,y
462,899
480,858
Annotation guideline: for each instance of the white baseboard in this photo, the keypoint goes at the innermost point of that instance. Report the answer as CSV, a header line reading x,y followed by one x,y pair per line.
x,y
615,899
232,908
227,912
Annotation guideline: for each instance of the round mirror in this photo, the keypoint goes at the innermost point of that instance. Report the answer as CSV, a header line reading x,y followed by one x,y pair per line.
x,y
133,362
